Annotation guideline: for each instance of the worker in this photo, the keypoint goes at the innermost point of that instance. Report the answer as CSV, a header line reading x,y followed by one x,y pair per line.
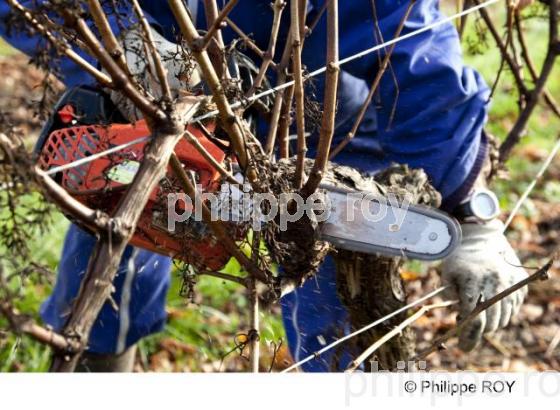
x,y
429,112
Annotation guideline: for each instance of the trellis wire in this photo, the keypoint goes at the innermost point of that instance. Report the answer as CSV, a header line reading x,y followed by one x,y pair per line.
x,y
533,183
315,73
365,328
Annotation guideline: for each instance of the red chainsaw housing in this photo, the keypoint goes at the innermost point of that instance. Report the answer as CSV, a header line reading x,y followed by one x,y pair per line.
x,y
101,183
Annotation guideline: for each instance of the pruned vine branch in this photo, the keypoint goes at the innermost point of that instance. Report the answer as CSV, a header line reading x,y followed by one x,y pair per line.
x,y
540,274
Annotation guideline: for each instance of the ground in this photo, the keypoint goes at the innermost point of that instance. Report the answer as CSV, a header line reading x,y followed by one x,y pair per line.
x,y
199,333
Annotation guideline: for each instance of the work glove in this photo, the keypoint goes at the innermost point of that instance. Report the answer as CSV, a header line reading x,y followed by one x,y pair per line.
x,y
182,74
483,265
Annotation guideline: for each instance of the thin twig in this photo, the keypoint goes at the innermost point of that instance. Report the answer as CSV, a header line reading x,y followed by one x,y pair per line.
x,y
329,103
247,40
506,56
394,332
225,276
211,13
277,7
318,16
215,44
276,348
533,183
374,86
109,39
553,344
155,56
276,112
282,118
514,63
365,328
284,123
217,227
62,47
541,274
254,337
463,20
208,157
299,93
552,53
281,109
217,24
549,99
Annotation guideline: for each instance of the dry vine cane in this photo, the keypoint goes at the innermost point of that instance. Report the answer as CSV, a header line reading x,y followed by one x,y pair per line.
x,y
166,121
167,118
532,90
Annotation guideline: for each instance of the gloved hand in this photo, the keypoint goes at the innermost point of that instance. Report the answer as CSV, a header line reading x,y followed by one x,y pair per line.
x,y
182,74
484,264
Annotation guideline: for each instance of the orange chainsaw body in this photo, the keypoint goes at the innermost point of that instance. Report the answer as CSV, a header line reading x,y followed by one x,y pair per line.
x,y
101,183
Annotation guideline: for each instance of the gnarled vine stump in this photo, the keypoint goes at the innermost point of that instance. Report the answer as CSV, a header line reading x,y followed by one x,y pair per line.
x,y
370,286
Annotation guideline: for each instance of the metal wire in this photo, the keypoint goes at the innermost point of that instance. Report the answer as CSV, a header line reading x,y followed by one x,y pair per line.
x,y
315,73
93,157
365,328
533,183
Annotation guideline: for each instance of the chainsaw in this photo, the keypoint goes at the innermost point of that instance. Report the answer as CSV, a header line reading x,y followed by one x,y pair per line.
x,y
86,122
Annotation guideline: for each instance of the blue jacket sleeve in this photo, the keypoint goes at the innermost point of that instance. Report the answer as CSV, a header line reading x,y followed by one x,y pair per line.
x,y
439,104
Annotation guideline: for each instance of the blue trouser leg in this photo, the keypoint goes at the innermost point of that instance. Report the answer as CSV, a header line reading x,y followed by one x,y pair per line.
x,y
141,287
314,317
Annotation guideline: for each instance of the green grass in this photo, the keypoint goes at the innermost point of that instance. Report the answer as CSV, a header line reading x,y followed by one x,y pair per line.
x,y
209,325
6,49
543,128
24,354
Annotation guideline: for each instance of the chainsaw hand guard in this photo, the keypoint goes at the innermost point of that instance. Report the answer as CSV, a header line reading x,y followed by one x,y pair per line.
x,y
86,123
